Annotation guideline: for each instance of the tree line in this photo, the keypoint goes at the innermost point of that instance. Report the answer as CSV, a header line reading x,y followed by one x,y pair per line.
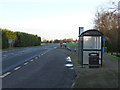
x,y
19,39
107,21
58,40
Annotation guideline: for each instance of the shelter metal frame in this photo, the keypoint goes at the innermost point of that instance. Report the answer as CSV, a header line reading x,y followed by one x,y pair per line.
x,y
91,33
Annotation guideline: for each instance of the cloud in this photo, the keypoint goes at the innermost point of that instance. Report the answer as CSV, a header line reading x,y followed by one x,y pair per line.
x,y
60,21
19,1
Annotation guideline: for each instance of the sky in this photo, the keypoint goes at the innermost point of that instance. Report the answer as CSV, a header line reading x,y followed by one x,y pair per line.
x,y
49,19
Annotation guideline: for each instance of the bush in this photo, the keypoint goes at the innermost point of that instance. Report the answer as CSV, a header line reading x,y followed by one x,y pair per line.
x,y
4,39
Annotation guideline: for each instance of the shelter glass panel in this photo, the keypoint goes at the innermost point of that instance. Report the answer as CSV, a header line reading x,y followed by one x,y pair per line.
x,y
91,42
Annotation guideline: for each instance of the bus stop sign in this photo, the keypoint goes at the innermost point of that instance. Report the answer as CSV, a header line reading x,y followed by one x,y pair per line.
x,y
104,39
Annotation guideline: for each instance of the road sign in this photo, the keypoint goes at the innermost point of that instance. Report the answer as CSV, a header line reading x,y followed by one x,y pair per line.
x,y
119,5
10,41
81,29
103,49
104,39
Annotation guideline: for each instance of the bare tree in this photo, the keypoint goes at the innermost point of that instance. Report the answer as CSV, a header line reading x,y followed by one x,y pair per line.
x,y
107,22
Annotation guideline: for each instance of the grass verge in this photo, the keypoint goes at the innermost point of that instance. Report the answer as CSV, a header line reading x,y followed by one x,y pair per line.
x,y
72,45
23,47
60,47
113,56
6,49
43,44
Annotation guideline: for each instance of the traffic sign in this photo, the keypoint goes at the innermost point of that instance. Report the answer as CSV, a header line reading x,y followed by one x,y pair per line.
x,y
10,41
104,39
81,30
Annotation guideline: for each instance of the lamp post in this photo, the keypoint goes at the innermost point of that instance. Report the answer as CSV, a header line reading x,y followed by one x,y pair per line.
x,y
81,29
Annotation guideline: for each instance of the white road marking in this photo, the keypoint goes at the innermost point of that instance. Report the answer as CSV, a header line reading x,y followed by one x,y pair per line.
x,y
17,68
73,84
69,65
71,68
68,59
26,63
31,60
36,57
4,75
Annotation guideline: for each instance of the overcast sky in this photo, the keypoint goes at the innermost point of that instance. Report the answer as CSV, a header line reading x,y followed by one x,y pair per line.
x,y
50,19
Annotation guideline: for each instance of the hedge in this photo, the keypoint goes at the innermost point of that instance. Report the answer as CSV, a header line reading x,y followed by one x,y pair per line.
x,y
20,39
24,40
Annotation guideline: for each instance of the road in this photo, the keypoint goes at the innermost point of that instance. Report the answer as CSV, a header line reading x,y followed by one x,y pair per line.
x,y
37,67
13,58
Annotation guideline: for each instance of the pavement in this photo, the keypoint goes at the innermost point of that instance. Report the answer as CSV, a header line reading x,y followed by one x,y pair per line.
x,y
52,69
106,76
73,49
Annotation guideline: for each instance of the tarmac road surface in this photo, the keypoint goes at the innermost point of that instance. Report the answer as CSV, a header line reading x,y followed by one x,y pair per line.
x,y
48,70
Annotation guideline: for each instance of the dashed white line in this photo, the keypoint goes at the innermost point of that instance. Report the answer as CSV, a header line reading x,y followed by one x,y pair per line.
x,y
17,68
31,60
26,63
36,57
4,75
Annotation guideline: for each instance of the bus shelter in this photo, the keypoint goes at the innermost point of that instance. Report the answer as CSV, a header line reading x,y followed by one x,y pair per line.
x,y
90,47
